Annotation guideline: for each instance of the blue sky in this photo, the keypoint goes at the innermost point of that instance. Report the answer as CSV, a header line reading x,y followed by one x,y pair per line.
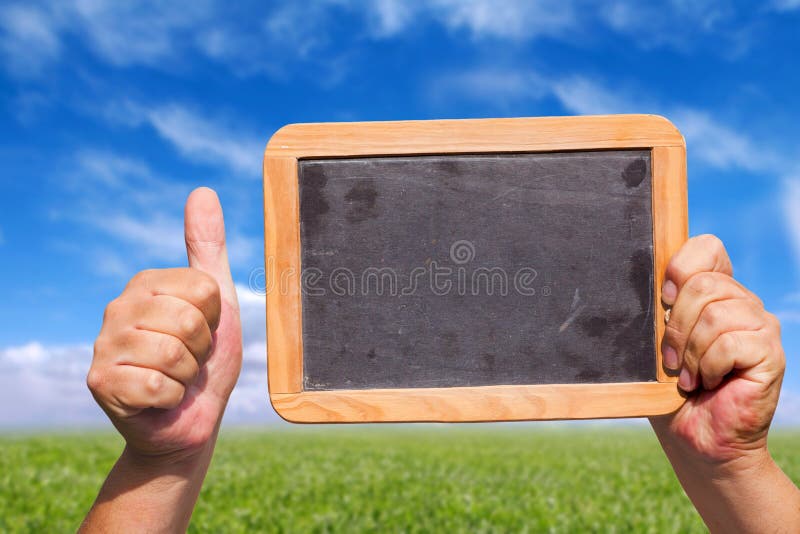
x,y
114,111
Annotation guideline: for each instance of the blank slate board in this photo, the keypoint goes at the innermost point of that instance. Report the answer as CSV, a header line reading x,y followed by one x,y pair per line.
x,y
578,223
477,279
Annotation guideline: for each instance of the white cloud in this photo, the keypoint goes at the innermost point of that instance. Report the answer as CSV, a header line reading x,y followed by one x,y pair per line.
x,y
164,35
708,140
294,40
502,87
585,97
159,236
123,199
519,20
792,297
45,385
204,140
110,263
721,146
507,86
788,316
120,33
290,38
791,213
275,42
389,17
28,40
785,5
243,250
250,399
788,410
674,24
139,213
198,138
111,169
298,27
146,33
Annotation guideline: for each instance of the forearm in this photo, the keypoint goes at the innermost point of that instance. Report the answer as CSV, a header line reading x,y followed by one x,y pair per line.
x,y
147,494
750,494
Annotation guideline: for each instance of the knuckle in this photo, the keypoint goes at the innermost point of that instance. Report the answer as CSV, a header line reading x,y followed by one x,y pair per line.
x,y
773,352
204,288
172,352
676,270
193,371
672,333
702,283
690,362
781,360
707,367
711,242
141,279
114,310
102,346
713,315
191,322
772,335
170,394
730,343
95,380
753,300
154,384
116,347
773,321
204,350
125,338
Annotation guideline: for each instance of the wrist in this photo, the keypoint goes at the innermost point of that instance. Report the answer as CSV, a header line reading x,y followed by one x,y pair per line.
x,y
182,455
750,465
178,464
150,492
708,451
734,467
170,469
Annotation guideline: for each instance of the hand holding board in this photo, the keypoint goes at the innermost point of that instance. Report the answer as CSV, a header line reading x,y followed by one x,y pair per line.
x,y
471,270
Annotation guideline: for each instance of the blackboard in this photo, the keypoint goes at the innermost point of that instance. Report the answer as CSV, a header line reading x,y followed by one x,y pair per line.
x,y
475,270
471,270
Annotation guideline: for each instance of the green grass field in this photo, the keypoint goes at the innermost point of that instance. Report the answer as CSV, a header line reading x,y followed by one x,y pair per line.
x,y
482,478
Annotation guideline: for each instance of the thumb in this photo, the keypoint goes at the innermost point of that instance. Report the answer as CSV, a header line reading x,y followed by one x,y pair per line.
x,y
204,230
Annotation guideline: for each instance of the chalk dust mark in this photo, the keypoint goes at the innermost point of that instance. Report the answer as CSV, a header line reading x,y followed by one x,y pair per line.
x,y
575,310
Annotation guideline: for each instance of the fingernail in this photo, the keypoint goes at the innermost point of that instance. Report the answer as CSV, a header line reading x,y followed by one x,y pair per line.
x,y
686,381
670,357
669,292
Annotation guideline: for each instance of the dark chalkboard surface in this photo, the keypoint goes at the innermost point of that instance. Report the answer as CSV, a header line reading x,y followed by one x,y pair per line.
x,y
476,270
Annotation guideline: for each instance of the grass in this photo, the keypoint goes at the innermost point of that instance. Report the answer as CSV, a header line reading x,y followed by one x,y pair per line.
x,y
497,478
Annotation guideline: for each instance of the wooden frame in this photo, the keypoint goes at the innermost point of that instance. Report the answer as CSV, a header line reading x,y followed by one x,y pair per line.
x,y
486,403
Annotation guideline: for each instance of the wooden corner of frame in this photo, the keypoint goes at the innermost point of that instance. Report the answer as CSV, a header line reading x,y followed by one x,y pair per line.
x,y
278,143
667,127
279,401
